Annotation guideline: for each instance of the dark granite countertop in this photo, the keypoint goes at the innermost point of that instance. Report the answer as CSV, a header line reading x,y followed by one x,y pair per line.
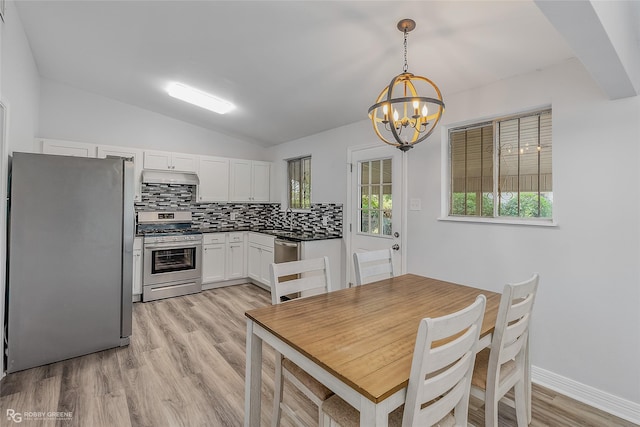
x,y
295,236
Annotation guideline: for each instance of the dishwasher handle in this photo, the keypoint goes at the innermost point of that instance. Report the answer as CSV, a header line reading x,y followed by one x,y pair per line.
x,y
286,243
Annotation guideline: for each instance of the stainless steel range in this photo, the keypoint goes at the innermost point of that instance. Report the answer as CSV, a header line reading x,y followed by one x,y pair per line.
x,y
172,261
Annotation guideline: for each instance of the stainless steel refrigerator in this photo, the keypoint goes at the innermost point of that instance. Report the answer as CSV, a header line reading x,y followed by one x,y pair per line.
x,y
70,260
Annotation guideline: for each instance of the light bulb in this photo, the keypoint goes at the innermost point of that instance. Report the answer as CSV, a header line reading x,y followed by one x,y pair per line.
x,y
395,115
425,111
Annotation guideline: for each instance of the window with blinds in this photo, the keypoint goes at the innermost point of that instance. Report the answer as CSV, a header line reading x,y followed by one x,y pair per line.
x,y
299,172
502,168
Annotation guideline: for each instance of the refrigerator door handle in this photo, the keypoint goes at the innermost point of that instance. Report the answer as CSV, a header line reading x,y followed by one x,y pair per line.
x,y
128,214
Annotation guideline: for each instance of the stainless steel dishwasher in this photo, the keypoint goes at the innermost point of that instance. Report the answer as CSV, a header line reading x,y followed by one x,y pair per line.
x,y
285,251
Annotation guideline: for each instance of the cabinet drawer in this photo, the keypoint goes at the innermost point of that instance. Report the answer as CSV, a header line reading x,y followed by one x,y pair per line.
x,y
209,238
261,239
236,237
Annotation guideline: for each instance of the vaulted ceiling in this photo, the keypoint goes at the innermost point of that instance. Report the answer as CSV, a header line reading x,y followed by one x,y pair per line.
x,y
293,68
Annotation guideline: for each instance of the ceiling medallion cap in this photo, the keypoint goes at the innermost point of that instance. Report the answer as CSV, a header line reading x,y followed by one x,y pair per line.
x,y
406,25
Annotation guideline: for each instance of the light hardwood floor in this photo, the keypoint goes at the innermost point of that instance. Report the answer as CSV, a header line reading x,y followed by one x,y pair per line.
x,y
185,367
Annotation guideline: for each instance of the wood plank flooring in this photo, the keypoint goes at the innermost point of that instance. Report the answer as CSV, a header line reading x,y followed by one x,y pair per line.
x,y
185,367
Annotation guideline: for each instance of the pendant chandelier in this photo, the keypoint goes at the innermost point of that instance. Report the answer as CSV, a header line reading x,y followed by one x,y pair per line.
x,y
408,110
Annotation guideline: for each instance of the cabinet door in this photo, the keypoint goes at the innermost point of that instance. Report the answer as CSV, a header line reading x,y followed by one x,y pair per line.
x,y
68,148
105,151
240,181
254,261
160,160
266,259
214,179
184,162
235,261
260,181
213,263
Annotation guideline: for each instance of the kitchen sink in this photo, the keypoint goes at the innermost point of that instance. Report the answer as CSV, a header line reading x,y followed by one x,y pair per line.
x,y
284,233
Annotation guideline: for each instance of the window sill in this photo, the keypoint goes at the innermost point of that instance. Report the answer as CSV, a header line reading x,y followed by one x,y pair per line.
x,y
510,221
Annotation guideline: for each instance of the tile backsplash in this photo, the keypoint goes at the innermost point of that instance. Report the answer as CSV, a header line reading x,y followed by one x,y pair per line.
x,y
217,216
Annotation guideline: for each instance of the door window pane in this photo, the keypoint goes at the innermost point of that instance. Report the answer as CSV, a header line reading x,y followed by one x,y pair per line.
x,y
375,197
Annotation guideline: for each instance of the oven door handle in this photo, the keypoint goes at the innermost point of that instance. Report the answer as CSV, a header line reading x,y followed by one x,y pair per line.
x,y
173,245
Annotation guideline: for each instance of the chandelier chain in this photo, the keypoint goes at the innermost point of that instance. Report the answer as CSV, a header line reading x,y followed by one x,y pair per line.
x,y
406,66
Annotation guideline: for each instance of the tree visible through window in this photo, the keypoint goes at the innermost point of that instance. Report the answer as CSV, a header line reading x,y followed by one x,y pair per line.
x,y
375,197
300,183
502,168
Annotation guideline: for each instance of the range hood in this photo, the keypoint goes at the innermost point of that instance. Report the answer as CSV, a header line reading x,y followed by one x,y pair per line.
x,y
166,177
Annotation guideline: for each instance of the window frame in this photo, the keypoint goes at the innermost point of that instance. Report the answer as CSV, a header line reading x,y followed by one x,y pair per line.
x,y
301,160
446,181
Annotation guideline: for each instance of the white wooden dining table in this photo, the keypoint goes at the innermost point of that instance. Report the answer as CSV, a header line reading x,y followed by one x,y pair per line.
x,y
358,341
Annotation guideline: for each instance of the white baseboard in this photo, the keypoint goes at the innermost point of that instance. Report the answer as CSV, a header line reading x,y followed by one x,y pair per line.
x,y
609,403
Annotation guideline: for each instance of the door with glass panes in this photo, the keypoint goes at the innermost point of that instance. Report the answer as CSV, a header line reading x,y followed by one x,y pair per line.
x,y
376,203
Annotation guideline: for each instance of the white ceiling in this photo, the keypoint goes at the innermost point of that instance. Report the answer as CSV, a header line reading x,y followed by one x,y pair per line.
x,y
293,68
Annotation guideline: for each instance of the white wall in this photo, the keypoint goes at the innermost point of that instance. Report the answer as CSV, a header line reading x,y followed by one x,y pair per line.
x,y
72,114
328,152
19,93
19,82
587,316
586,325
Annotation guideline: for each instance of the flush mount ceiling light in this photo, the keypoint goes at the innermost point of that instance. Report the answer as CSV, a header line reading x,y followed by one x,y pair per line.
x,y
199,98
410,114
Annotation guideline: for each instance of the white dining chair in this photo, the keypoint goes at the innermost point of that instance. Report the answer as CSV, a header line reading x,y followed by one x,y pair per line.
x,y
505,364
440,378
293,280
373,265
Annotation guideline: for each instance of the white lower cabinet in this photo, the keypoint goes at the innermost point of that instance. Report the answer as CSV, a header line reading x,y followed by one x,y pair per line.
x,y
224,257
260,257
213,262
236,256
137,268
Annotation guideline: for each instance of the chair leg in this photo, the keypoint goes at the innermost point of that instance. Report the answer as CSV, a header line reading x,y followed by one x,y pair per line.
x,y
527,378
322,420
520,396
490,410
278,383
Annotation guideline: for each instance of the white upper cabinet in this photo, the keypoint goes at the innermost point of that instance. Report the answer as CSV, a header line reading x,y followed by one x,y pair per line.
x,y
213,173
105,151
249,181
165,160
68,148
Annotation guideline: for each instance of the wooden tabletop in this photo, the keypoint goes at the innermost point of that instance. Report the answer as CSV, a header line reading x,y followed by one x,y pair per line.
x,y
365,335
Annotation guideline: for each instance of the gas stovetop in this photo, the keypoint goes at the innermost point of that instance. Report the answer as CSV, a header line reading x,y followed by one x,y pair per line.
x,y
195,237
167,227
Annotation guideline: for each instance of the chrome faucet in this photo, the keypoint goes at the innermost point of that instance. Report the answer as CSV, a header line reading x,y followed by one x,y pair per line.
x,y
289,214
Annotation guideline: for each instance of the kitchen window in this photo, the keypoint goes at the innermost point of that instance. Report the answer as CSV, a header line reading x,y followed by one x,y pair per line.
x,y
299,172
502,168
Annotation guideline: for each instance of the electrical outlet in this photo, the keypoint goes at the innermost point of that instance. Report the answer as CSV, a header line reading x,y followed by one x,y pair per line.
x,y
233,216
325,221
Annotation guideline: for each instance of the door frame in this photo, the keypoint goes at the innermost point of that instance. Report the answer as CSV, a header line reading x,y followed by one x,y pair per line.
x,y
350,205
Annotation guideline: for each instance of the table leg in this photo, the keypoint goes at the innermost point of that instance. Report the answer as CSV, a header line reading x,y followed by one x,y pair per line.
x,y
253,378
372,414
